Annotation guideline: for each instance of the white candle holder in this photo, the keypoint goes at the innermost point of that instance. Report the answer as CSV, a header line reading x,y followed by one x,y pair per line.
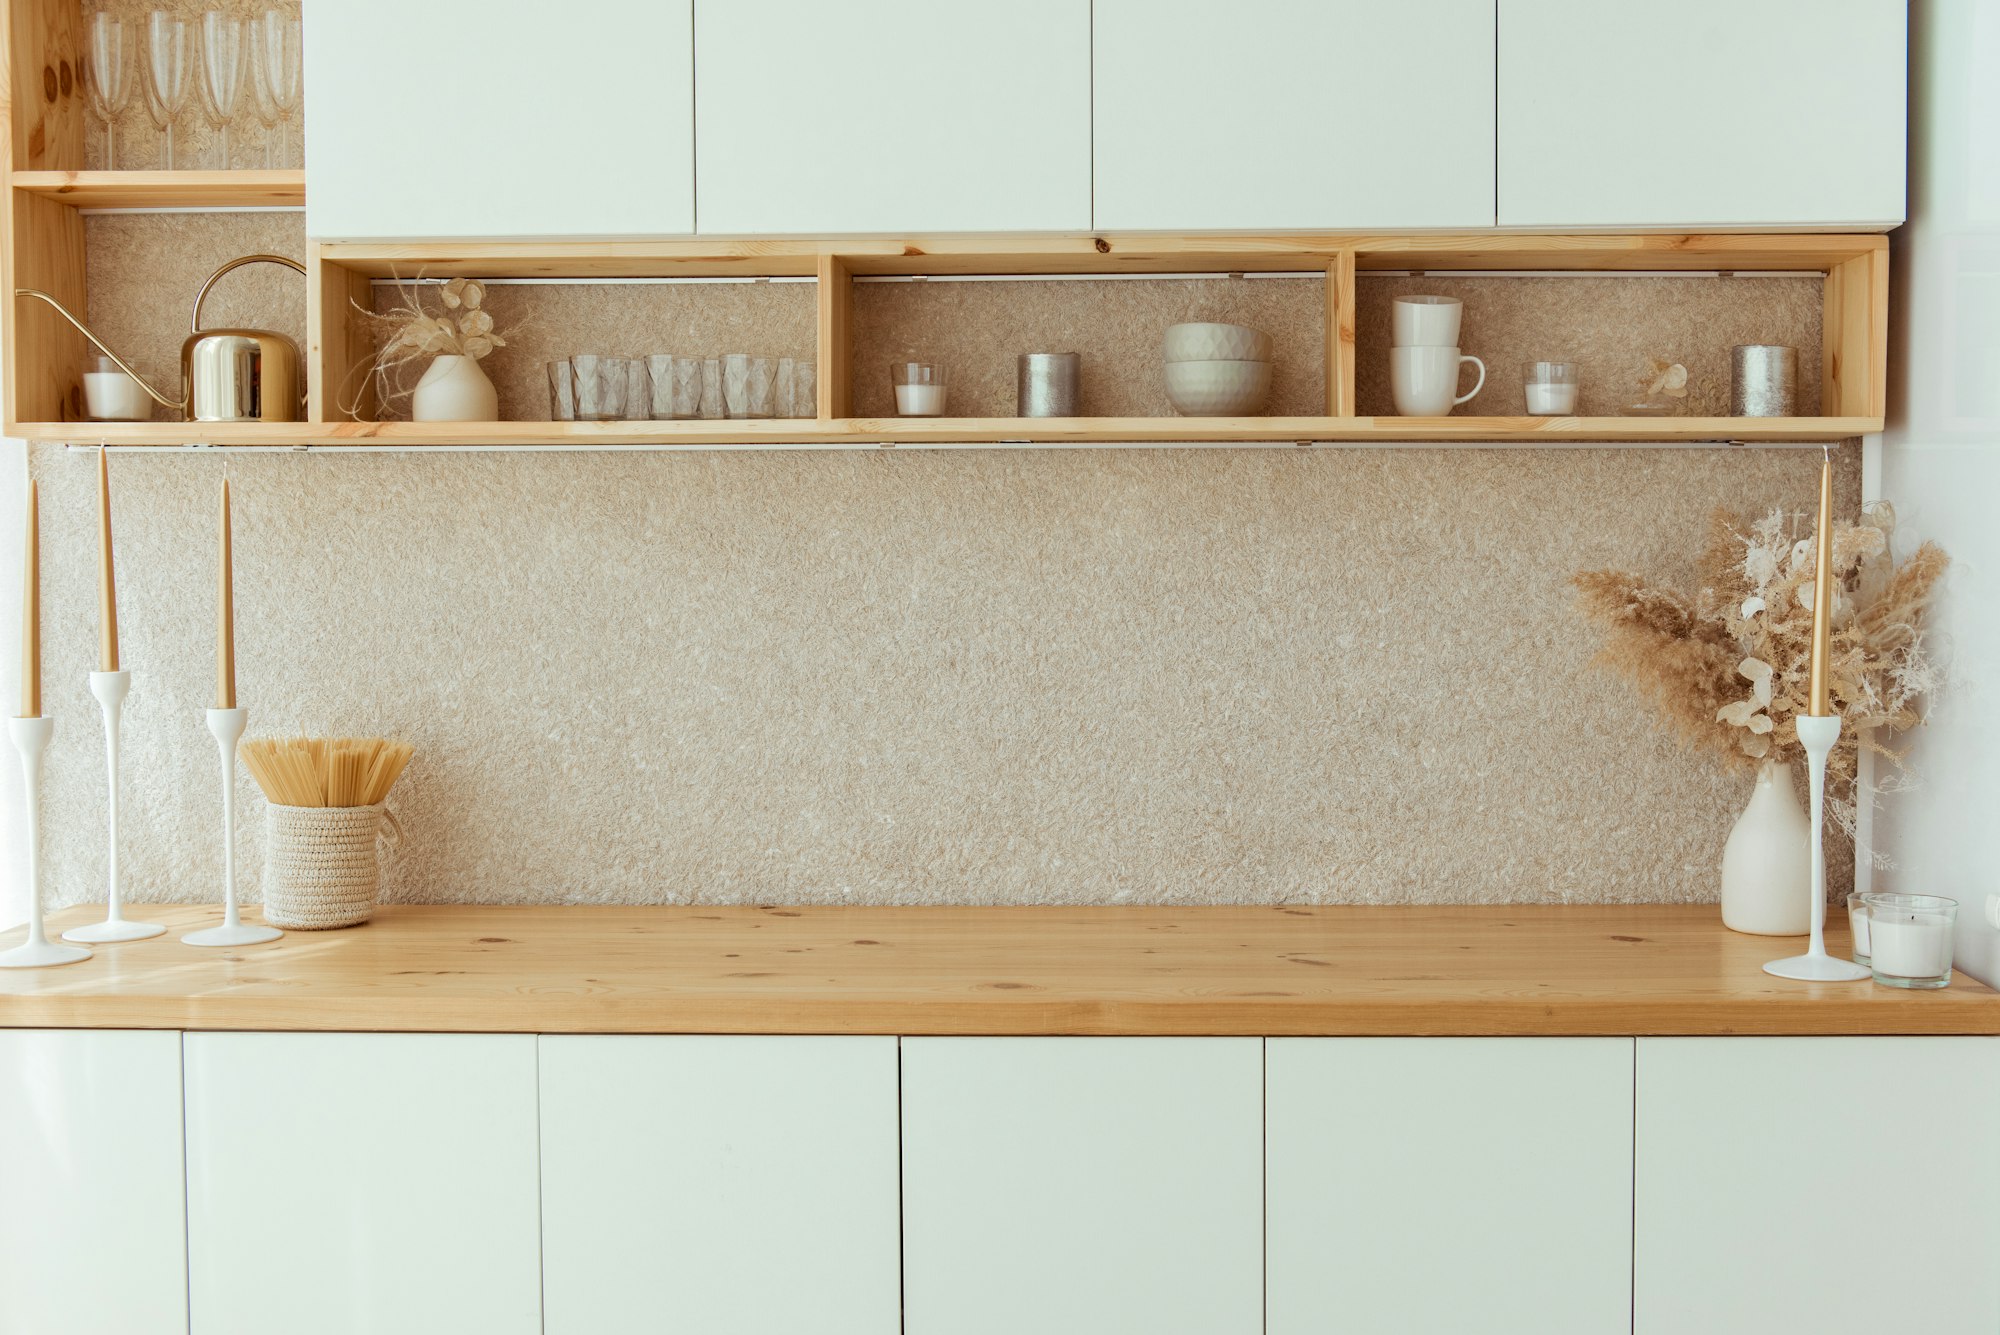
x,y
31,739
110,688
1818,734
228,725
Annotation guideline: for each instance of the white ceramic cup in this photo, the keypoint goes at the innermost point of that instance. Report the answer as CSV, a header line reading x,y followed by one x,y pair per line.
x,y
1425,380
1427,322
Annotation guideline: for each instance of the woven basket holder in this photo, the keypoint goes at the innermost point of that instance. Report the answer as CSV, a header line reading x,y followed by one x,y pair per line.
x,y
321,865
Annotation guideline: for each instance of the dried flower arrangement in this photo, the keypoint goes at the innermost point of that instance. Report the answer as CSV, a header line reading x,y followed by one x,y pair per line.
x,y
1728,664
411,333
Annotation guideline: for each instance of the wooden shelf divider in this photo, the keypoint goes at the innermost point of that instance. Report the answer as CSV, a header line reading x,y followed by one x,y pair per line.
x,y
248,189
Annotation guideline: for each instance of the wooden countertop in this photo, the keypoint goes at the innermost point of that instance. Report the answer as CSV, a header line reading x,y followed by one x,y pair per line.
x,y
1417,971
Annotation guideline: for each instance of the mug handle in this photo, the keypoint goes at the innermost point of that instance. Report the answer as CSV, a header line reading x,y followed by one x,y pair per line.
x,y
1476,388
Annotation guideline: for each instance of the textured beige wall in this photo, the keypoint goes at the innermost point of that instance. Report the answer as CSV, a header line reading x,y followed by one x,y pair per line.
x,y
990,676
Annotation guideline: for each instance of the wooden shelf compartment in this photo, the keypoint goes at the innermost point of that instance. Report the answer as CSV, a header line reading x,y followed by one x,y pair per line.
x,y
246,189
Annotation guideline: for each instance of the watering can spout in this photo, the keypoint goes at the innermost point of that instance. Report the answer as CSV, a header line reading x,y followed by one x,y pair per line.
x,y
178,405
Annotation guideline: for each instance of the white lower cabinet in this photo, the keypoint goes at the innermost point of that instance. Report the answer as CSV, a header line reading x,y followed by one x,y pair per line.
x,y
1082,1185
1449,1185
378,1183
720,1185
91,1209
1848,1186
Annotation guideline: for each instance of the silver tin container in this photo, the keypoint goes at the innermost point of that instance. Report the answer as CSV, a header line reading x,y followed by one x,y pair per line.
x,y
1045,383
1763,380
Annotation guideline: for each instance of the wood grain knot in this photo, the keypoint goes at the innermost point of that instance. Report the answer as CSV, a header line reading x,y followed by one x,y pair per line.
x,y
48,83
1103,246
64,78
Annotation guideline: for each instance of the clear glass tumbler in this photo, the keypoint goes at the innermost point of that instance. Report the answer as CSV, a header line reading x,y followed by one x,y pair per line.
x,y
1550,388
1909,939
919,389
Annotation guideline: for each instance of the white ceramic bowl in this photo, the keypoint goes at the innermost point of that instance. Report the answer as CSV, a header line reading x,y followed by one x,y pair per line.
x,y
1216,343
1218,388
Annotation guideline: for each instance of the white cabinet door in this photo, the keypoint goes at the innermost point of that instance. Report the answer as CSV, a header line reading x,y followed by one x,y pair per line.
x,y
1849,1186
893,116
92,1217
1443,1185
476,118
362,1182
730,1186
1073,1186
1269,114
1703,113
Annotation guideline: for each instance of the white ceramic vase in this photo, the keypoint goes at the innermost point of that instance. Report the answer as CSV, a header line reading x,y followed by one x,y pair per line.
x,y
454,389
1767,863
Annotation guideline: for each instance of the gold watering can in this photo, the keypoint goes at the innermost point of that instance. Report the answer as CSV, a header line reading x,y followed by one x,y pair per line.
x,y
227,375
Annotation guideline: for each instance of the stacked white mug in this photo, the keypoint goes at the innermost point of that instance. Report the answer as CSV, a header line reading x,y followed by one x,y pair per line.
x,y
1424,363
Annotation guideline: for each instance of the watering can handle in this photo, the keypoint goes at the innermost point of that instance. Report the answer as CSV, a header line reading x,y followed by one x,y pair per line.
x,y
176,404
194,324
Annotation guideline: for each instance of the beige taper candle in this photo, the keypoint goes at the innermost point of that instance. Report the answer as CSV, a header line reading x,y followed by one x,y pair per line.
x,y
107,579
225,612
31,611
1820,703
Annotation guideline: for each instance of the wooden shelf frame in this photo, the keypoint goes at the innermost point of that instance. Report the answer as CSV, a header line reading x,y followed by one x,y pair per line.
x,y
1856,332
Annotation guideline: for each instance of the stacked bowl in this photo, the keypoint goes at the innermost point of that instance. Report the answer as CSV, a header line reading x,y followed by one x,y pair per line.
x,y
1217,370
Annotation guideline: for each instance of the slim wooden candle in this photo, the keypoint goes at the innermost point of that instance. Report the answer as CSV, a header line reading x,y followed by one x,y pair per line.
x,y
31,611
1820,702
225,612
107,580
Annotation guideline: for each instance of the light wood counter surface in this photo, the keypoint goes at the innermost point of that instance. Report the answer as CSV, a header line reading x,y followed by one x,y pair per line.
x,y
1271,971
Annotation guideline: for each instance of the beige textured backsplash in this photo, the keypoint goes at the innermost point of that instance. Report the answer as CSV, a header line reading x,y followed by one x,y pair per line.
x,y
989,676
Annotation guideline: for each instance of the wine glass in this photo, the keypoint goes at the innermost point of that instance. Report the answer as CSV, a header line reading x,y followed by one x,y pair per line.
x,y
166,76
108,78
274,60
221,75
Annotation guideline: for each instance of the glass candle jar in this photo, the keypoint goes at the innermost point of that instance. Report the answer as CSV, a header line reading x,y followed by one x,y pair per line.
x,y
1857,926
109,395
1909,938
1550,388
919,389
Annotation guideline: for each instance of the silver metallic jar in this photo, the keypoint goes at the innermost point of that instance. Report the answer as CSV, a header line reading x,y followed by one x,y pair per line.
x,y
1763,380
1045,383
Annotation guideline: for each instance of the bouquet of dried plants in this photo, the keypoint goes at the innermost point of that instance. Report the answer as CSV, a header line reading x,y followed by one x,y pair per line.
x,y
1727,664
412,332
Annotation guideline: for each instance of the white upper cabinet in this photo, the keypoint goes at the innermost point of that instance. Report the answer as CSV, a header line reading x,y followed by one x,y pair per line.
x,y
91,1207
1703,113
892,116
1840,1185
471,118
719,1184
1430,1186
1270,114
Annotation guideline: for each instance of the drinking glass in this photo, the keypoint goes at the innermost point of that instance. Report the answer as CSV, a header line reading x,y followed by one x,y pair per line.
x,y
221,76
275,39
805,390
108,78
166,77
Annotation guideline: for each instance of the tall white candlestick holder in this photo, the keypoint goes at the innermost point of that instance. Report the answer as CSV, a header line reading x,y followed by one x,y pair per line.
x,y
228,725
111,688
31,739
1818,734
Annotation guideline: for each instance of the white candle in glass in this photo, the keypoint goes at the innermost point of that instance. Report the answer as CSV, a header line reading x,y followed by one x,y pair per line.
x,y
920,400
1905,945
1551,400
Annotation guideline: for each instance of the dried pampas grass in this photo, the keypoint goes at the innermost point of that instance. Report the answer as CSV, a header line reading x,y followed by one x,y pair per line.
x,y
1727,664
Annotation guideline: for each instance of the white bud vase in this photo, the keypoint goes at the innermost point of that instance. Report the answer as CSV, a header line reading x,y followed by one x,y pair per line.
x,y
454,389
1767,863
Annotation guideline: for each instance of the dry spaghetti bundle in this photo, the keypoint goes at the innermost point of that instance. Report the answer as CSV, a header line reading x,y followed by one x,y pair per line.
x,y
325,771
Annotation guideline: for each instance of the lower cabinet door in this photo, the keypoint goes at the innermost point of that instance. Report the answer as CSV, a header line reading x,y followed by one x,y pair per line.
x,y
719,1185
92,1217
1078,1186
348,1183
1449,1185
1844,1186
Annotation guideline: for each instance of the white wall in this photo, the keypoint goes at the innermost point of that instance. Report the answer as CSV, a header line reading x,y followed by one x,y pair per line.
x,y
1941,456
13,820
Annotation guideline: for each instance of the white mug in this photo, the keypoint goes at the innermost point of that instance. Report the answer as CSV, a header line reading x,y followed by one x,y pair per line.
x,y
1427,322
1425,379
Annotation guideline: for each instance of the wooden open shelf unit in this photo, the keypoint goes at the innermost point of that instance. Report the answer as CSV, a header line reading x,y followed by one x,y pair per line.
x,y
43,247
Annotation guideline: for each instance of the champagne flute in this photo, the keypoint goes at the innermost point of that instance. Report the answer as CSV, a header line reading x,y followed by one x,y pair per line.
x,y
274,59
221,76
108,78
166,76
